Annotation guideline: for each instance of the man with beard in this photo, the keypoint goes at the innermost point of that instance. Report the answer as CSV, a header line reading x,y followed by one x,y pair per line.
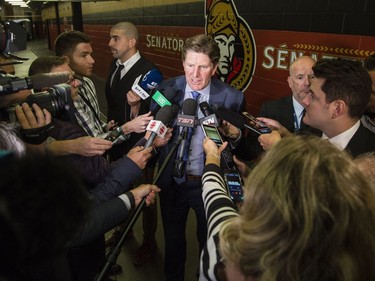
x,y
124,106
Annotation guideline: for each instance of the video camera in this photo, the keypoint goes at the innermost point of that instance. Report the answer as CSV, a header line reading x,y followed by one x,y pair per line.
x,y
57,99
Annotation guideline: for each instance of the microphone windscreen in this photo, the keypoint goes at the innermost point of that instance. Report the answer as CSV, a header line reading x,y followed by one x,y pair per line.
x,y
170,93
165,114
151,79
49,79
232,117
189,107
205,108
175,109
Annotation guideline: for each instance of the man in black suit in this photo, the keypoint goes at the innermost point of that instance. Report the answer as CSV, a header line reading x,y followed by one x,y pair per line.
x,y
289,110
339,93
124,106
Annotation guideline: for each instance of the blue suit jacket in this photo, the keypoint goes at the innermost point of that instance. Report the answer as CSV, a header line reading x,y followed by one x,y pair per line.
x,y
221,95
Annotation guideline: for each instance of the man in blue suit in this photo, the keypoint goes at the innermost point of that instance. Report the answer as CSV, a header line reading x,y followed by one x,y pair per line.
x,y
200,57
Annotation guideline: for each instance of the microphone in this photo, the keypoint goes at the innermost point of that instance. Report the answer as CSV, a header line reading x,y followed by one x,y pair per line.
x,y
163,100
150,81
13,84
187,121
210,117
158,126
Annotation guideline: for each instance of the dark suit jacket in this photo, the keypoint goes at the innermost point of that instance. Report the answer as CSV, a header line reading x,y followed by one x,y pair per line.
x,y
105,180
100,219
118,107
281,110
363,141
221,94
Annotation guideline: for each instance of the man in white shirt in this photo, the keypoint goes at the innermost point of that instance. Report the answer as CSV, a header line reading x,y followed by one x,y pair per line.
x,y
339,94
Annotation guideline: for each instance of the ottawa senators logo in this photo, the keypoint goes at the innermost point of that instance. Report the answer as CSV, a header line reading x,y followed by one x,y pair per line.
x,y
236,42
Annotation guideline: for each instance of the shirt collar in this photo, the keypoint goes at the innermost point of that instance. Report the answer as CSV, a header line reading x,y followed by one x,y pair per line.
x,y
130,62
298,108
342,140
205,92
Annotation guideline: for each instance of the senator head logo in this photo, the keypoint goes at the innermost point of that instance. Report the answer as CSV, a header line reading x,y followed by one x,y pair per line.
x,y
235,40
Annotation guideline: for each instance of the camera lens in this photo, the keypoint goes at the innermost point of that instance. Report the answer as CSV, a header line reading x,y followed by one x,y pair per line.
x,y
55,100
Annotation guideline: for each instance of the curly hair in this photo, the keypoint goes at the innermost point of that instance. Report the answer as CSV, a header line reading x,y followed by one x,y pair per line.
x,y
308,214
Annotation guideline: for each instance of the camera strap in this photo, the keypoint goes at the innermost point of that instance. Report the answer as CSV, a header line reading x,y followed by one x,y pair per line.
x,y
36,135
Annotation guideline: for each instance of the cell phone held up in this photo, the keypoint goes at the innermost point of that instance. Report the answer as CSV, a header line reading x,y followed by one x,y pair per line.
x,y
256,125
213,133
114,134
234,186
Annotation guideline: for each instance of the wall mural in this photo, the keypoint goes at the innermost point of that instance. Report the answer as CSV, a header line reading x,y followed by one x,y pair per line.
x,y
235,40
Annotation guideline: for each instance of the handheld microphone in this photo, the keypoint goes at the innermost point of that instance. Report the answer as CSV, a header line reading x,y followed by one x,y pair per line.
x,y
210,117
13,84
157,126
187,121
150,81
163,98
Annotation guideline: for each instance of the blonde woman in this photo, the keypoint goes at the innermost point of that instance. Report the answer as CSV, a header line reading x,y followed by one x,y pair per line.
x,y
308,214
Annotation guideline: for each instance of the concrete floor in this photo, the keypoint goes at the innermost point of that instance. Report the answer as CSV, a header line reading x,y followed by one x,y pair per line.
x,y
153,270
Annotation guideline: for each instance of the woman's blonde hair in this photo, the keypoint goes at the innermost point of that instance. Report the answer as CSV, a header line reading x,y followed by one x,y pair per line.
x,y
308,214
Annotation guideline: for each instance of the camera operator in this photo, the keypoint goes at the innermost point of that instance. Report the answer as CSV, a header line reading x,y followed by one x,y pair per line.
x,y
73,219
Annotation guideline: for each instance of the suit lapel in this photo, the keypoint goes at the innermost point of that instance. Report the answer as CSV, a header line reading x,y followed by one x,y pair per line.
x,y
217,96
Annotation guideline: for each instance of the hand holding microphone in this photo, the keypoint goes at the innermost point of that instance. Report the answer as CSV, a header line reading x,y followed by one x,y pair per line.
x,y
140,156
143,86
158,127
133,99
138,124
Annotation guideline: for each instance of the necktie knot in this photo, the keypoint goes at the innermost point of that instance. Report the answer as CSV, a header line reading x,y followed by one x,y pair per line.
x,y
195,95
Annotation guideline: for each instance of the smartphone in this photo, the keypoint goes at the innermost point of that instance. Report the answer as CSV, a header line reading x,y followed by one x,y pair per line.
x,y
114,135
256,125
213,133
234,186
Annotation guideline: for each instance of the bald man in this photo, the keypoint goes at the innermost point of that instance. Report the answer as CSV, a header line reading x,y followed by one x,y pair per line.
x,y
289,110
